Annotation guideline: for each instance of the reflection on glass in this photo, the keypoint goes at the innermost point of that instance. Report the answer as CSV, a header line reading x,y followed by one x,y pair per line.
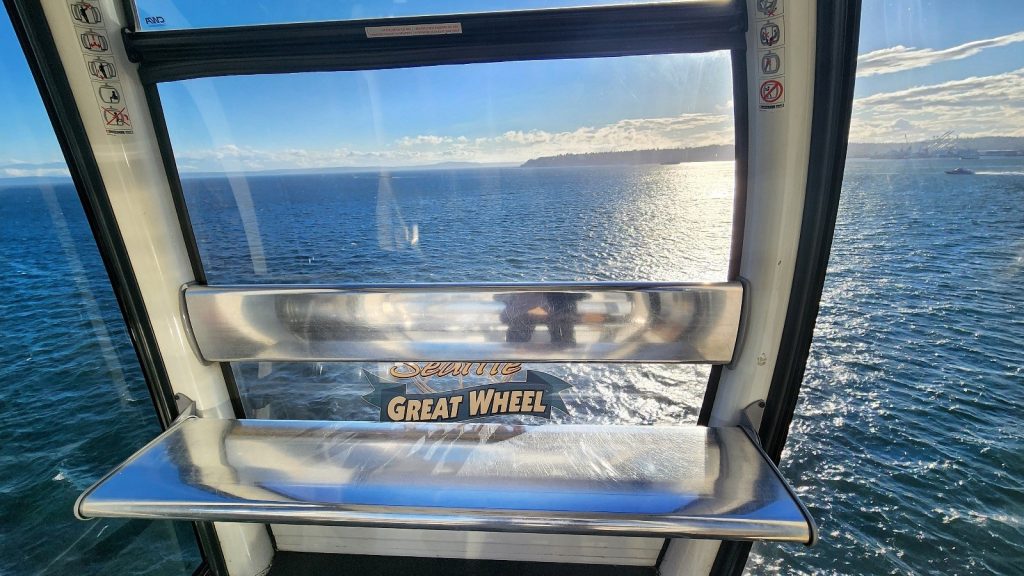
x,y
524,312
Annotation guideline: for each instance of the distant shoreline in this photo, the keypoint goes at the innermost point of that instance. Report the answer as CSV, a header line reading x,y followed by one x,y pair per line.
x,y
998,145
637,157
987,147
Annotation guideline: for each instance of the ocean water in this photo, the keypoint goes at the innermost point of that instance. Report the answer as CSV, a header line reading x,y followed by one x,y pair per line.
x,y
72,399
908,442
906,445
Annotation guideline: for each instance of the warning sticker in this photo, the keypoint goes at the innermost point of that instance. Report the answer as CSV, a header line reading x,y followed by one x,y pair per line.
x,y
769,8
770,30
101,68
85,13
99,63
109,93
93,41
116,120
439,29
771,33
771,62
771,95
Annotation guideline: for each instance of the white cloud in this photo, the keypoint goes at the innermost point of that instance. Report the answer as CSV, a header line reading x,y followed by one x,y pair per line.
x,y
424,139
900,58
683,131
976,106
904,125
234,158
34,172
21,169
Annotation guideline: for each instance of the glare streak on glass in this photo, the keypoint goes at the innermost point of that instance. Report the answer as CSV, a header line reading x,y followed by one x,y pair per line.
x,y
85,292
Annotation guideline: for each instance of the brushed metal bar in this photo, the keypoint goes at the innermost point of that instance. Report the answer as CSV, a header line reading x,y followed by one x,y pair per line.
x,y
549,323
693,482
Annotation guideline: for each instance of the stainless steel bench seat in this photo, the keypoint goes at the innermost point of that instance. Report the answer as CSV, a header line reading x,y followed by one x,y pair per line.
x,y
611,480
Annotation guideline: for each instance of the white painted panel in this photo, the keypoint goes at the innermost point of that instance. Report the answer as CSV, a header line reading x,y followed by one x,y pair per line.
x,y
776,184
133,173
566,548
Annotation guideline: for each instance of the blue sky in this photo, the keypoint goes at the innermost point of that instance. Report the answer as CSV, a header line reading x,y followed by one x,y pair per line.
x,y
926,67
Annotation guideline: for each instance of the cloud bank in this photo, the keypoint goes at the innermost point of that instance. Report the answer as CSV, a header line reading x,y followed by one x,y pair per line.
x,y
20,169
976,106
687,130
901,58
973,107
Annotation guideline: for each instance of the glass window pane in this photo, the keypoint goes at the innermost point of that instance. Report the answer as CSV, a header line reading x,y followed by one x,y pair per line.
x,y
73,399
575,170
656,223
183,14
607,169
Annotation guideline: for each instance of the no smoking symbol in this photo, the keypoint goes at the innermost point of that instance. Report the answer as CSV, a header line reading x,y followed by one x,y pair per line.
x,y
771,91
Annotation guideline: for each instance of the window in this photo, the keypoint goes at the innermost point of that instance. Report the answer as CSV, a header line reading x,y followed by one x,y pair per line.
x,y
73,399
575,170
603,169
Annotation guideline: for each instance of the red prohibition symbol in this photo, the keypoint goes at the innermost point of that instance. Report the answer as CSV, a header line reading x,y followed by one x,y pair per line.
x,y
771,91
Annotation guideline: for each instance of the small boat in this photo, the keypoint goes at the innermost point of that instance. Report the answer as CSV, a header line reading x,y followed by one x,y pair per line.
x,y
960,171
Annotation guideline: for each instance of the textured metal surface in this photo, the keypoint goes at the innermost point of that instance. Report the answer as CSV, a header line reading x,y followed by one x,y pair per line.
x,y
599,322
616,480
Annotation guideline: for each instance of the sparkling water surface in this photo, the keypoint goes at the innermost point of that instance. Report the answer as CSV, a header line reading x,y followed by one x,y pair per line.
x,y
652,223
908,442
906,445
